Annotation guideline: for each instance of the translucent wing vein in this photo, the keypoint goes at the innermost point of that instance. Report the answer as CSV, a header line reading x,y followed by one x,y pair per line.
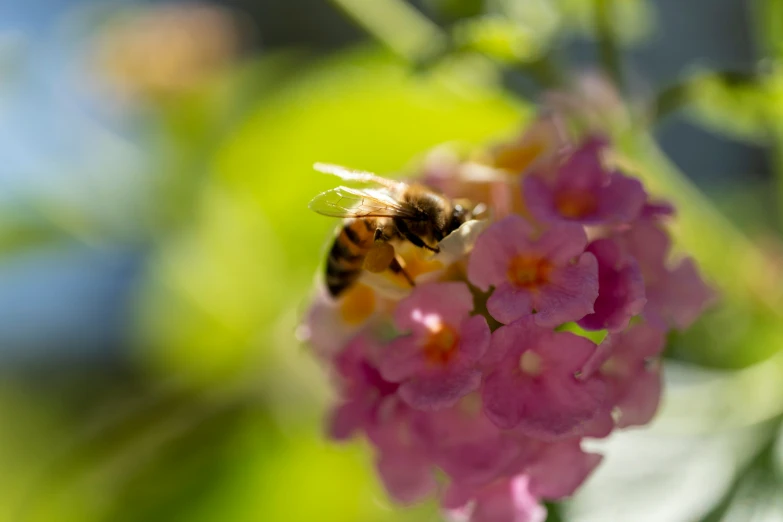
x,y
346,202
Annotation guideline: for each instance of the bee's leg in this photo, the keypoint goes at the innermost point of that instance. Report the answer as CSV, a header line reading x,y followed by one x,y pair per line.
x,y
397,267
413,238
419,242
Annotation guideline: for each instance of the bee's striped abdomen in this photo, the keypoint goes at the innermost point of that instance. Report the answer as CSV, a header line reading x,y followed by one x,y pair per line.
x,y
344,263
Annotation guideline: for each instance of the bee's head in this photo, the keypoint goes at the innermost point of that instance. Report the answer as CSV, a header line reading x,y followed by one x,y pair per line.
x,y
459,215
464,211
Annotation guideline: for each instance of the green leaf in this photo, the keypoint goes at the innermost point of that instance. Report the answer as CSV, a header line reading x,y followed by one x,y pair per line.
x,y
735,105
497,37
769,24
634,20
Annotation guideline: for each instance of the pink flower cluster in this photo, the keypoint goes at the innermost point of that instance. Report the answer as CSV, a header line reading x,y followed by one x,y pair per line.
x,y
479,385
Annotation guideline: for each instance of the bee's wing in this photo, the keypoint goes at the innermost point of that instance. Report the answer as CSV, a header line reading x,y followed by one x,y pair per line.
x,y
356,175
345,202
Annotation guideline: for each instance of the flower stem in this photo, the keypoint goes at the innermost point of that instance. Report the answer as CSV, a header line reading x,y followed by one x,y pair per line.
x,y
608,48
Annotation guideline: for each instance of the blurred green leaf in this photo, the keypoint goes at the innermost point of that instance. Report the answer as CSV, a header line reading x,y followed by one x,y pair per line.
x,y
456,9
769,24
735,105
211,290
498,38
634,20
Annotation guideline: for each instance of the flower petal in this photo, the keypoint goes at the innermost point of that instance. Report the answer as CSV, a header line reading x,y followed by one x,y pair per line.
x,y
474,340
560,470
570,294
539,200
501,401
439,390
684,296
402,358
494,248
511,340
406,475
347,419
621,293
507,303
559,407
584,168
449,302
639,405
622,201
561,243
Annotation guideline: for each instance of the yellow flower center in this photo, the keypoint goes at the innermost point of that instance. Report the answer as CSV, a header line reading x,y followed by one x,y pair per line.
x,y
529,272
575,203
441,344
518,157
358,304
531,364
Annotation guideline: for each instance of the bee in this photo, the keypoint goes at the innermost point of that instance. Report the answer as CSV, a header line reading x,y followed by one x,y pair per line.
x,y
374,218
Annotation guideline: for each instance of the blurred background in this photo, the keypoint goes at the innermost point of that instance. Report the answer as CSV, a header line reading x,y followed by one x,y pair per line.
x,y
156,251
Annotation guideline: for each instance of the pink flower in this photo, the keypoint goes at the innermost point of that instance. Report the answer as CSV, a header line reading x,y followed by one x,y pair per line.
x,y
675,296
328,325
628,364
363,389
465,444
532,384
437,362
402,460
550,274
506,500
559,468
548,470
620,288
582,191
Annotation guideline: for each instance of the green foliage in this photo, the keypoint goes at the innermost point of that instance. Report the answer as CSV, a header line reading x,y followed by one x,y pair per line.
x,y
769,24
634,20
736,106
497,37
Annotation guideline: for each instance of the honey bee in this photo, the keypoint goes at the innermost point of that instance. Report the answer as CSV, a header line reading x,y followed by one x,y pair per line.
x,y
375,218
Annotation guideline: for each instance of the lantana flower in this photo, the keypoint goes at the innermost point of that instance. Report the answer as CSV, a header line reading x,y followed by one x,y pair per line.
x,y
549,273
583,191
534,386
472,386
437,361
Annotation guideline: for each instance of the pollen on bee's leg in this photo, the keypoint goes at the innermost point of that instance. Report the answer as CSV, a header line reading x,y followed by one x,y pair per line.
x,y
379,257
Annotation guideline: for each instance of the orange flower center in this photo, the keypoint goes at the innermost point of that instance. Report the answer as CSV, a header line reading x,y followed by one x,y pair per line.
x,y
441,344
358,304
575,203
529,272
